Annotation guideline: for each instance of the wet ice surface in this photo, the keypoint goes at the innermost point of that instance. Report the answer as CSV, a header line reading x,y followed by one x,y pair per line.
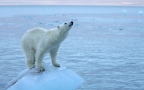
x,y
104,49
52,78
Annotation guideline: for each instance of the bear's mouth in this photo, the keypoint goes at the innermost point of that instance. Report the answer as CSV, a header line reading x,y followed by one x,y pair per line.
x,y
71,23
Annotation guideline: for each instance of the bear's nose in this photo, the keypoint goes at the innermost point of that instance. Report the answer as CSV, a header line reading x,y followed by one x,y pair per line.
x,y
72,22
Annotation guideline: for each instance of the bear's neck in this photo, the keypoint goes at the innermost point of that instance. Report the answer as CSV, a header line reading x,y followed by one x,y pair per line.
x,y
59,37
62,35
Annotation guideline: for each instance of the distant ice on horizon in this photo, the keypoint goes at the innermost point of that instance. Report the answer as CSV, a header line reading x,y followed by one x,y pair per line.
x,y
50,10
140,12
124,11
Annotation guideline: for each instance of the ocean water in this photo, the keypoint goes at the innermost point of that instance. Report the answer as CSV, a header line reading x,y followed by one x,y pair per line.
x,y
105,45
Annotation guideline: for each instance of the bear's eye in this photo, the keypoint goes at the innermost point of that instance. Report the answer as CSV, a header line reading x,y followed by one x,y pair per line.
x,y
65,23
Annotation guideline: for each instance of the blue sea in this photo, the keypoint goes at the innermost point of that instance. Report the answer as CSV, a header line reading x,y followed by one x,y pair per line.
x,y
105,46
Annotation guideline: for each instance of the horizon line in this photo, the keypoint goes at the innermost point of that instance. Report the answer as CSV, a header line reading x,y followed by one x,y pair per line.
x,y
38,3
68,5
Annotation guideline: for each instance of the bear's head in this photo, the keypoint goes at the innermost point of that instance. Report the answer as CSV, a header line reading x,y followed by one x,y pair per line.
x,y
65,27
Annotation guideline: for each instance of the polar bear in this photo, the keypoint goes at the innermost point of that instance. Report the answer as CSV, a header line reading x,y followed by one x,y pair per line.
x,y
38,41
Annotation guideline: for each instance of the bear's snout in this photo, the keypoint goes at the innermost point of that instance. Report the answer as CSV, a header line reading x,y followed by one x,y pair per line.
x,y
71,23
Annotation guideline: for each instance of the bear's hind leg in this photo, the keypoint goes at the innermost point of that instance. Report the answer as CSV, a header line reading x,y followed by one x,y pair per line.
x,y
30,59
30,63
39,60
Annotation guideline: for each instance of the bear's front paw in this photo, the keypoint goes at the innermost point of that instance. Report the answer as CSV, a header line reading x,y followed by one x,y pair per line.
x,y
40,68
56,64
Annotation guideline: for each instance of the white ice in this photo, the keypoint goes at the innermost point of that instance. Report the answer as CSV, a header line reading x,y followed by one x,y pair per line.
x,y
51,79
124,11
140,12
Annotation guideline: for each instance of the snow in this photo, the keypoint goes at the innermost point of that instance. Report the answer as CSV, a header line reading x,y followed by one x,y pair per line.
x,y
51,79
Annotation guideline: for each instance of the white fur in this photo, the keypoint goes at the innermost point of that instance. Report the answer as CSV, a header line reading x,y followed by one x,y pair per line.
x,y
38,41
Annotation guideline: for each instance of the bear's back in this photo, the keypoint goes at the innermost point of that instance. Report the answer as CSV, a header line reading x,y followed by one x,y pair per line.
x,y
36,31
33,37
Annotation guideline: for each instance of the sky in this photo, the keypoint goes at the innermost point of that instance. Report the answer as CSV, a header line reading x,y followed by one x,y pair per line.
x,y
75,2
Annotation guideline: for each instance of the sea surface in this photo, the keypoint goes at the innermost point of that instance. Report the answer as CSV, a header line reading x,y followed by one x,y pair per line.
x,y
105,46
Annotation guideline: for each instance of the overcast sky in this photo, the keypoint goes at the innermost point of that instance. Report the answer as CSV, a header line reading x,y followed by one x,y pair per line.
x,y
74,2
